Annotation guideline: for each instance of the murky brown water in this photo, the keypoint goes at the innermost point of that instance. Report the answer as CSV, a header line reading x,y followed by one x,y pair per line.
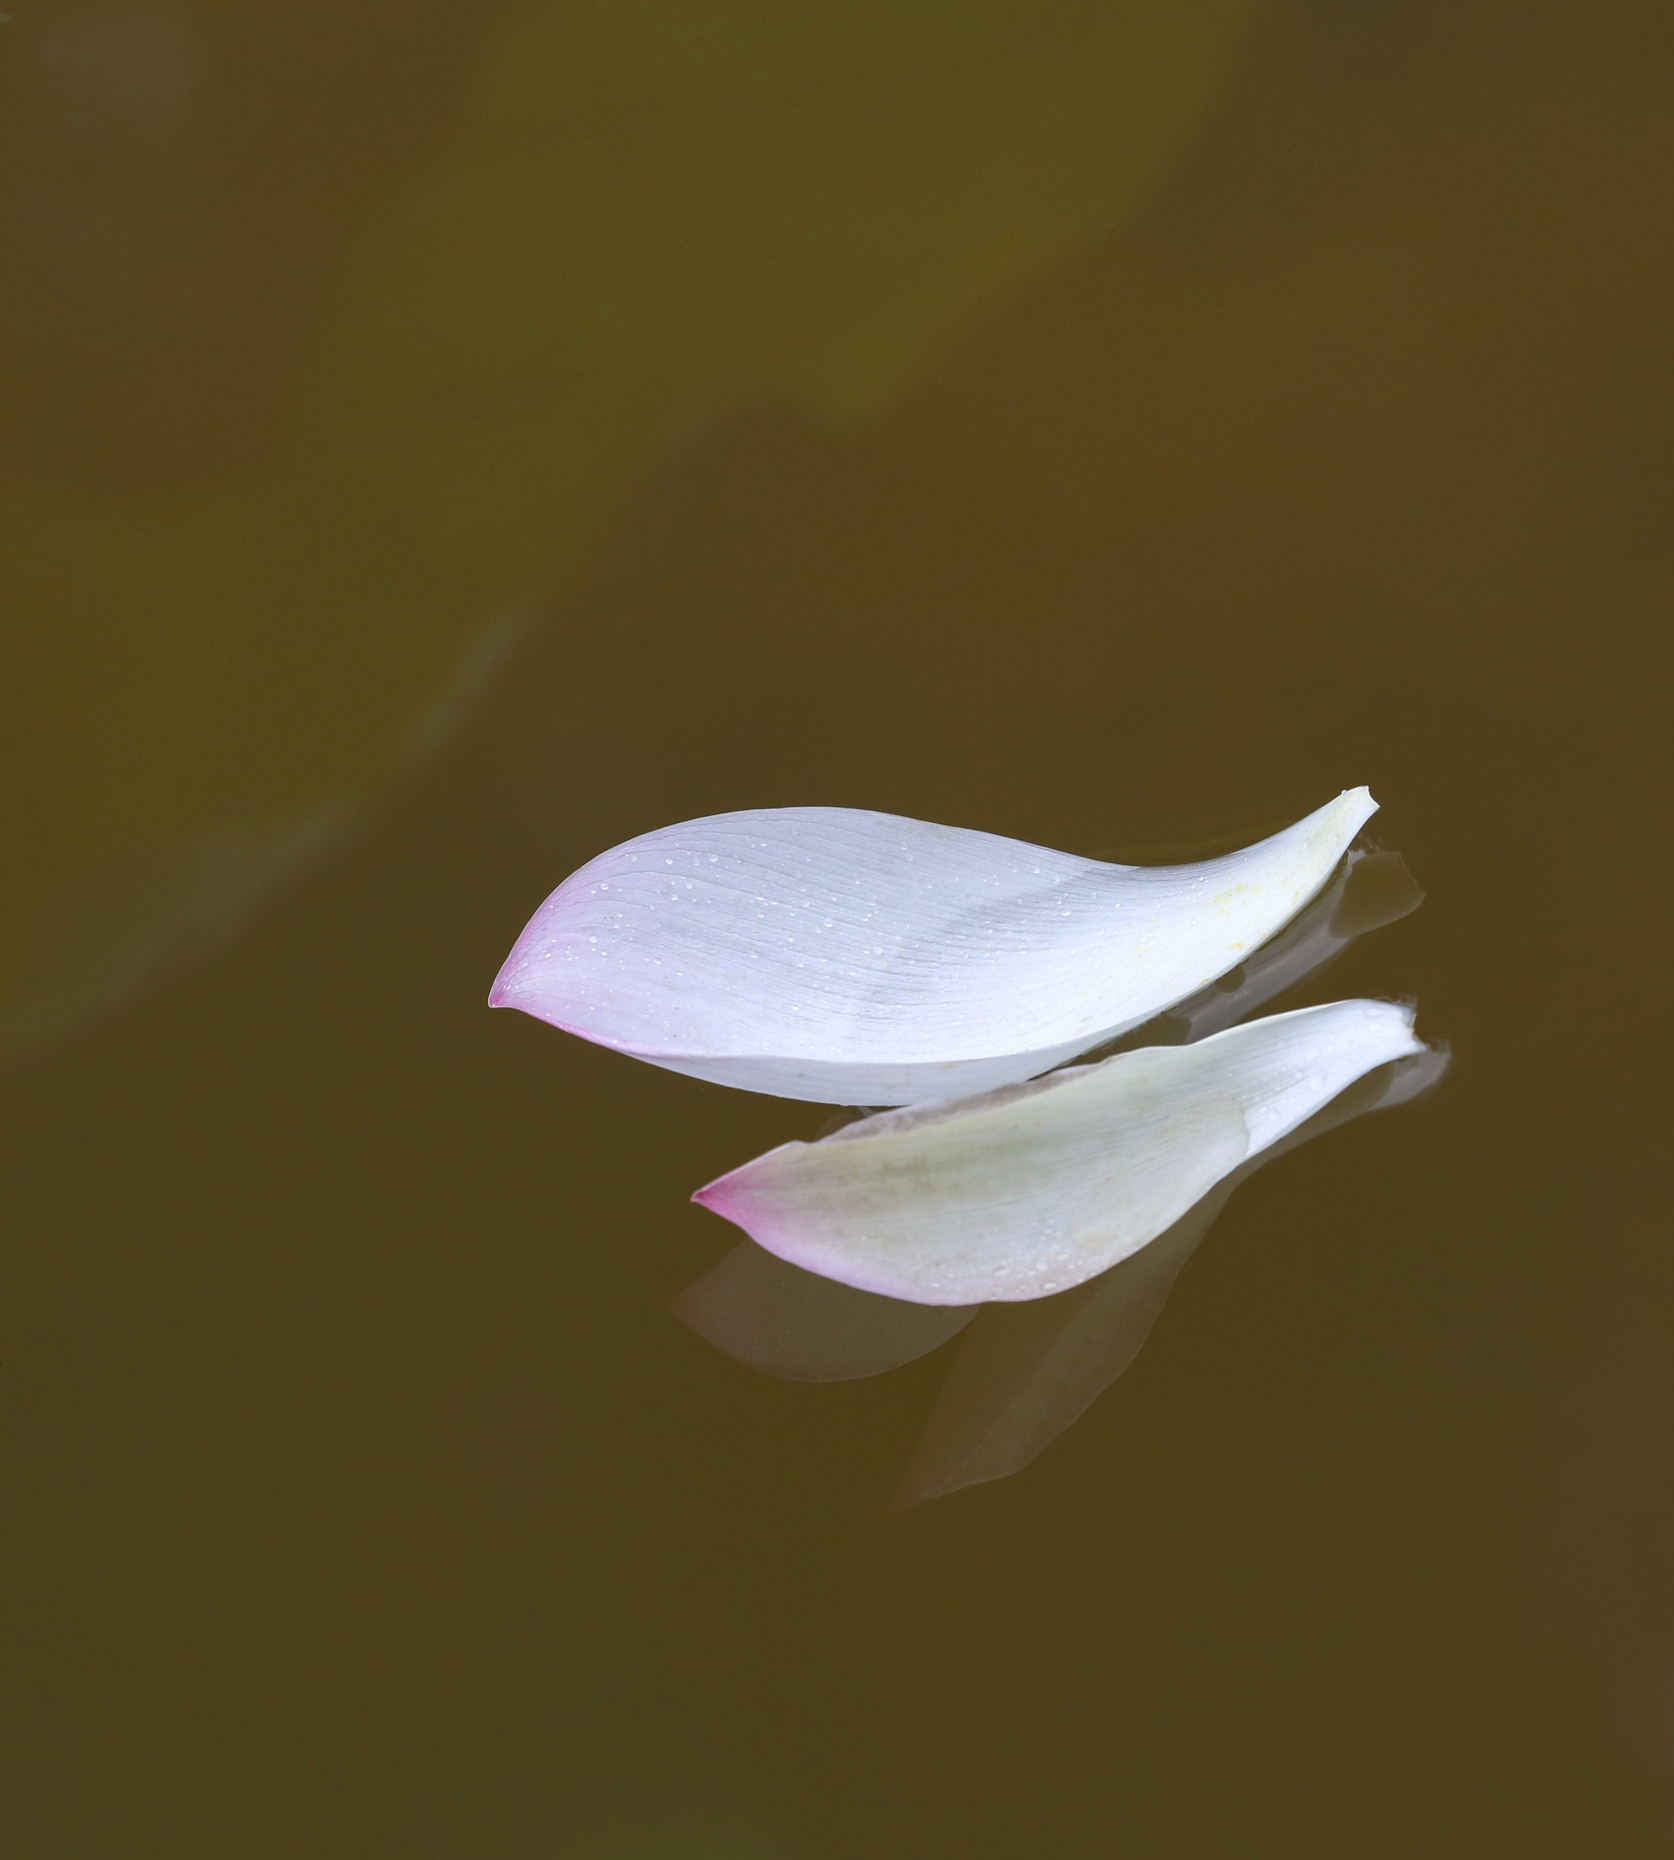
x,y
1105,426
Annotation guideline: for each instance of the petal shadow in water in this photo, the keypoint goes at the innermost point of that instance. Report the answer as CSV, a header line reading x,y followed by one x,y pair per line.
x,y
851,957
1024,1373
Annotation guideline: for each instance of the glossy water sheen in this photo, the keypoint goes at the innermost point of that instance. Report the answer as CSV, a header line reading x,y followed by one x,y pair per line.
x,y
440,444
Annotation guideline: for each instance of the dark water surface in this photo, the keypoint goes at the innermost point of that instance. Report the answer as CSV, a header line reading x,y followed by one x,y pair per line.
x,y
362,1496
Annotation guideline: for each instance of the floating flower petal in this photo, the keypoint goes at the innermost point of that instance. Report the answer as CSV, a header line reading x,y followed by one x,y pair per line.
x,y
1033,1188
860,958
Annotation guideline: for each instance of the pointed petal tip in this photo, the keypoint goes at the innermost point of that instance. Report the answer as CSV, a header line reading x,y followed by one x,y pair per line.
x,y
1403,1012
1356,802
719,1197
502,990
1339,820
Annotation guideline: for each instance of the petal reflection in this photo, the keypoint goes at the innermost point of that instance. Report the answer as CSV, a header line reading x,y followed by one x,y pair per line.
x,y
775,1317
860,958
1024,1373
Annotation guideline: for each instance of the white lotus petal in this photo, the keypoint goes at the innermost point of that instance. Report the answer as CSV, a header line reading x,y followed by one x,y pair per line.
x,y
1033,1188
860,958
1023,1373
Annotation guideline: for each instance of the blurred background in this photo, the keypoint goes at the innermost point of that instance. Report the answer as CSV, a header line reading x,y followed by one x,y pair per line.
x,y
440,441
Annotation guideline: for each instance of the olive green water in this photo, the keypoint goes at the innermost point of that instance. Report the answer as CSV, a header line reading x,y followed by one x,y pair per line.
x,y
437,443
